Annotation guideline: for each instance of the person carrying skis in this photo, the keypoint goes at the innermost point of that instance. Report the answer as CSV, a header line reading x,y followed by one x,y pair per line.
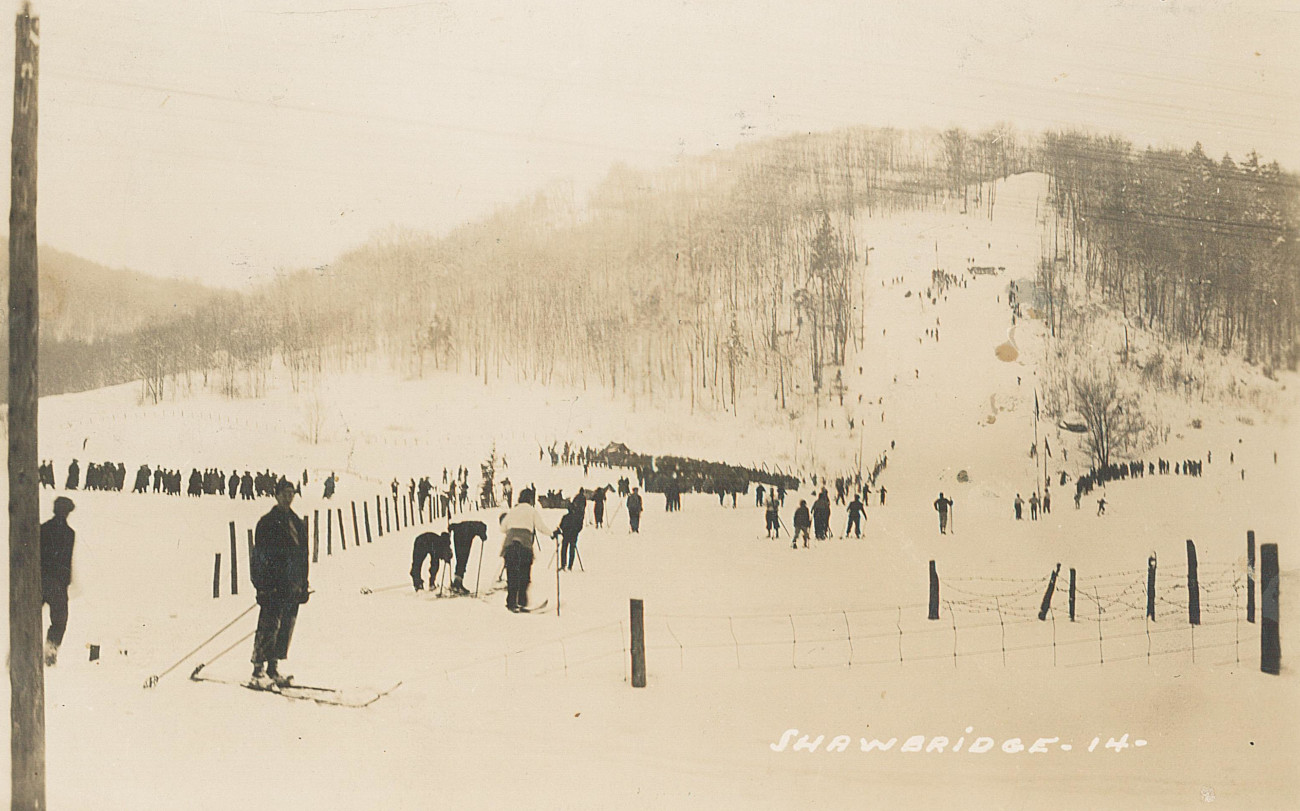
x,y
279,567
856,511
801,524
634,510
773,517
942,505
521,525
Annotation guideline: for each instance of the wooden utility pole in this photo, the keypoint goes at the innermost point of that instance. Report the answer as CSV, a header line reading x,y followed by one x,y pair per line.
x,y
26,665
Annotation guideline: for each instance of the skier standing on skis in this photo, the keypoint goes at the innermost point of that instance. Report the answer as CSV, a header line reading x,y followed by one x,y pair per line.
x,y
801,523
279,567
570,526
856,511
773,517
598,505
821,513
521,524
634,510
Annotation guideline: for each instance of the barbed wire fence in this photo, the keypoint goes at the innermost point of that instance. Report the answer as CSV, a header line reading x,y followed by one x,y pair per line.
x,y
1195,614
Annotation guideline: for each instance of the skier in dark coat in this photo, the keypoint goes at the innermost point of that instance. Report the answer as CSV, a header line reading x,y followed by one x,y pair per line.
x,y
463,534
598,506
74,476
821,514
801,524
634,510
436,546
856,511
570,526
57,541
279,569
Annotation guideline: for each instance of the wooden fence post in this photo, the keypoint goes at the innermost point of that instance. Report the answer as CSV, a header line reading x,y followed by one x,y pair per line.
x,y
1151,586
234,563
329,532
315,530
343,541
388,516
216,576
1047,595
1270,643
1072,594
379,518
638,643
1250,575
356,535
365,509
1193,586
934,592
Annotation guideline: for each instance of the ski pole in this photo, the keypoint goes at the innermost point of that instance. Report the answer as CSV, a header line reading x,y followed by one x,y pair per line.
x,y
152,681
194,673
481,549
579,554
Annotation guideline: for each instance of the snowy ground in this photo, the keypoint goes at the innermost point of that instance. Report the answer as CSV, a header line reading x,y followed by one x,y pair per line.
x,y
747,637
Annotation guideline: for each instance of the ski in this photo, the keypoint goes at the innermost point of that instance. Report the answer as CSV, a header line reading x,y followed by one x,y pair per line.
x,y
331,696
535,609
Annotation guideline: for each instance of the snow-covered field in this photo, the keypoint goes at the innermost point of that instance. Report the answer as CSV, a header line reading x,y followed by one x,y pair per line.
x,y
747,638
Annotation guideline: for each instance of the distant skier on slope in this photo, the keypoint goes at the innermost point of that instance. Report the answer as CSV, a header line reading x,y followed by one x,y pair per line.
x,y
856,511
942,506
801,524
634,510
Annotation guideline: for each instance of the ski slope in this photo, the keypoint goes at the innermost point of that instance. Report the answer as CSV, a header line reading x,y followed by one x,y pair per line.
x,y
747,637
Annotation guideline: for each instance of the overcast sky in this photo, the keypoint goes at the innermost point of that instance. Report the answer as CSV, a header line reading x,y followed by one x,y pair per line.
x,y
222,140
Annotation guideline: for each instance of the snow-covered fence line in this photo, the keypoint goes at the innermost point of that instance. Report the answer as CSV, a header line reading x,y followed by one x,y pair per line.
x,y
967,618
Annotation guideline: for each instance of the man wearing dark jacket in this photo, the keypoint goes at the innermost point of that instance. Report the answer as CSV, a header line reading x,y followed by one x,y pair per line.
x,y
57,539
821,514
463,534
801,523
634,509
570,526
436,546
279,569
856,512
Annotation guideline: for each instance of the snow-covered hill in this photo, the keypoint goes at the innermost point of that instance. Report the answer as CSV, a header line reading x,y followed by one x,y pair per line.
x,y
747,637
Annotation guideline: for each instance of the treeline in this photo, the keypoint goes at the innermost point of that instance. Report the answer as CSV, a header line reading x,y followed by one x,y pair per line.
x,y
1200,250
725,276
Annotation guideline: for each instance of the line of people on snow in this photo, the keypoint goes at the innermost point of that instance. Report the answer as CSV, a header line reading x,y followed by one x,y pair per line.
x,y
109,476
